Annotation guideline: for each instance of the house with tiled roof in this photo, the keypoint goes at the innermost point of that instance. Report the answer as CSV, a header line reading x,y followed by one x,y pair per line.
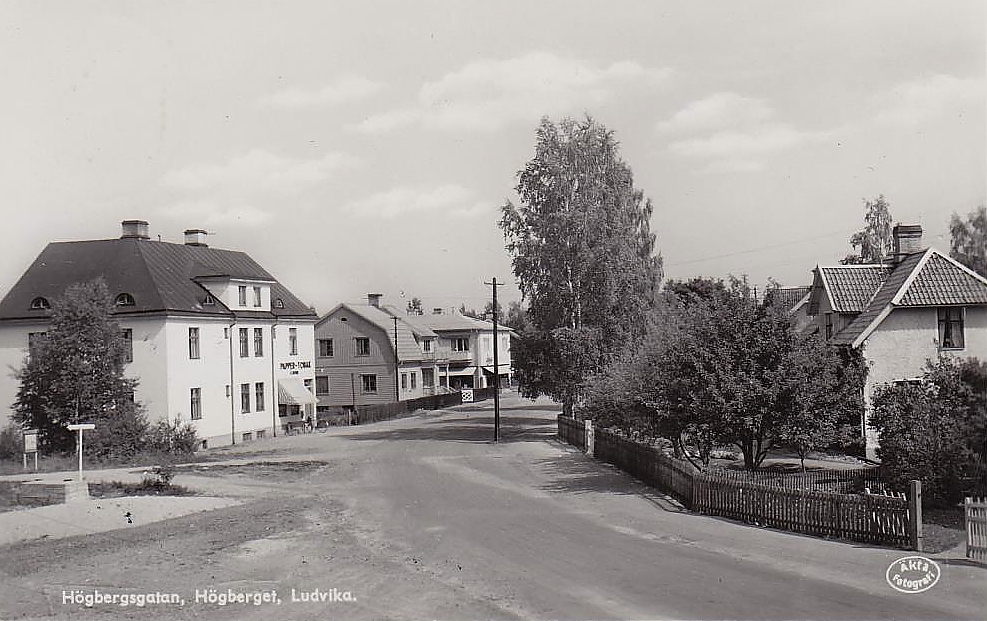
x,y
921,305
215,339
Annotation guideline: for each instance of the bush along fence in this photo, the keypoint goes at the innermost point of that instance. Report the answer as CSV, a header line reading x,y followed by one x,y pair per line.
x,y
387,411
811,503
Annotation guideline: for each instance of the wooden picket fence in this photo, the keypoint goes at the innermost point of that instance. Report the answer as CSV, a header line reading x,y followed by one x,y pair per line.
x,y
830,504
871,518
572,431
851,480
975,515
647,464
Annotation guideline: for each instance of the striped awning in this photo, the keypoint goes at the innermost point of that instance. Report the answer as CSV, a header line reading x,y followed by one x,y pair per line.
x,y
292,390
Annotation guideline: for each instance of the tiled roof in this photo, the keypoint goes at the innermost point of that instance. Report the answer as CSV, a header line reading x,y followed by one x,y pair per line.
x,y
852,286
926,278
789,297
940,282
159,275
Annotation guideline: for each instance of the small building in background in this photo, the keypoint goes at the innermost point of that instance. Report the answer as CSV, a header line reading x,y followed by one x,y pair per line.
x,y
373,353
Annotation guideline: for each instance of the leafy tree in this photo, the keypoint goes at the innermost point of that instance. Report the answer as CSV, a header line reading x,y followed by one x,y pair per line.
x,y
726,369
823,395
517,317
468,312
968,240
415,306
696,289
874,242
583,254
936,430
75,374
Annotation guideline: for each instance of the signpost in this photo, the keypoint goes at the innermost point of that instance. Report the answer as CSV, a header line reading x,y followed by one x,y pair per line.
x,y
31,446
80,428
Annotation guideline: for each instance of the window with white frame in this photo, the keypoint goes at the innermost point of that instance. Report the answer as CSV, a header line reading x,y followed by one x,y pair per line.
x,y
951,327
195,405
193,343
362,346
325,348
128,345
404,381
427,345
259,396
258,341
369,383
322,384
257,297
293,341
244,398
242,295
244,343
414,380
460,344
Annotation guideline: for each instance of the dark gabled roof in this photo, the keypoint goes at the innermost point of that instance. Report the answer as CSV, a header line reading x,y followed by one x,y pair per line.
x,y
927,278
159,275
851,287
788,297
408,346
942,281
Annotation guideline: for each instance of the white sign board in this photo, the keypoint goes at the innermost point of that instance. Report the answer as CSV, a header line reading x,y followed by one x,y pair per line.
x,y
467,395
30,441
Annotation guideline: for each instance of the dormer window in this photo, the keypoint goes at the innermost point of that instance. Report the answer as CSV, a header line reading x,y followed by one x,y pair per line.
x,y
40,303
125,299
209,300
278,303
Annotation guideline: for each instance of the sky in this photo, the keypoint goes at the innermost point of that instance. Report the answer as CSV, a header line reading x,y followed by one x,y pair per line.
x,y
367,147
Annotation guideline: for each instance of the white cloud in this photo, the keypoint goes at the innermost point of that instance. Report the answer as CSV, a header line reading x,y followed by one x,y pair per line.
x,y
343,90
913,102
209,213
259,170
249,188
750,143
487,95
718,111
450,199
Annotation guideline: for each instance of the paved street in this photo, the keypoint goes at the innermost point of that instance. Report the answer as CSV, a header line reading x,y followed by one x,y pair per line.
x,y
426,518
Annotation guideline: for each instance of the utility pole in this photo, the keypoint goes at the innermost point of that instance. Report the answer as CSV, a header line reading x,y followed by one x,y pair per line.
x,y
496,362
397,394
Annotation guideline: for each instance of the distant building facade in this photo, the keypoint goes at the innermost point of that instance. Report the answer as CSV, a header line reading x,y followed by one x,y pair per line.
x,y
215,340
356,363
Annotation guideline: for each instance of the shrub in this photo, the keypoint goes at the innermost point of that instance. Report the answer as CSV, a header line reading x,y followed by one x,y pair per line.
x,y
11,442
935,431
172,438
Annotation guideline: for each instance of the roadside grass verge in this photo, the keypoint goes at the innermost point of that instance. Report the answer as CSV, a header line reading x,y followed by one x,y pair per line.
x,y
116,489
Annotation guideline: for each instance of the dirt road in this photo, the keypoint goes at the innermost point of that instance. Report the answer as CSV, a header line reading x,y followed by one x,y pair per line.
x,y
425,518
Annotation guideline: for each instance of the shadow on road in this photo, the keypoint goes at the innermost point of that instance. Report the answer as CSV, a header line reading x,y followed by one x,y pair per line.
x,y
573,473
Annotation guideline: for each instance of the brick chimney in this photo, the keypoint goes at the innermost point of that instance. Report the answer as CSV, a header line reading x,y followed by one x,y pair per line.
x,y
133,229
907,240
373,299
195,237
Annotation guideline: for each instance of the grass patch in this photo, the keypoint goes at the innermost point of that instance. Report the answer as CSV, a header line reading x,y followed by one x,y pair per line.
x,y
116,489
253,469
942,529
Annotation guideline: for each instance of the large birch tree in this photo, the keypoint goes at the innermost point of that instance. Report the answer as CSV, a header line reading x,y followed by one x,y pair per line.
x,y
583,255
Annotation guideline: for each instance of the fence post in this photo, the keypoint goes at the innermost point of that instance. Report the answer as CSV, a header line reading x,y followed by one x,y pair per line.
x,y
915,515
589,438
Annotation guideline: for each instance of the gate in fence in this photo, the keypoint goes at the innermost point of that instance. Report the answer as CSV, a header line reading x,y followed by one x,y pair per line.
x,y
975,515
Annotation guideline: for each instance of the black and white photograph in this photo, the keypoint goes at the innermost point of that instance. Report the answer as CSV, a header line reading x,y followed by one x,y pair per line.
x,y
553,310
